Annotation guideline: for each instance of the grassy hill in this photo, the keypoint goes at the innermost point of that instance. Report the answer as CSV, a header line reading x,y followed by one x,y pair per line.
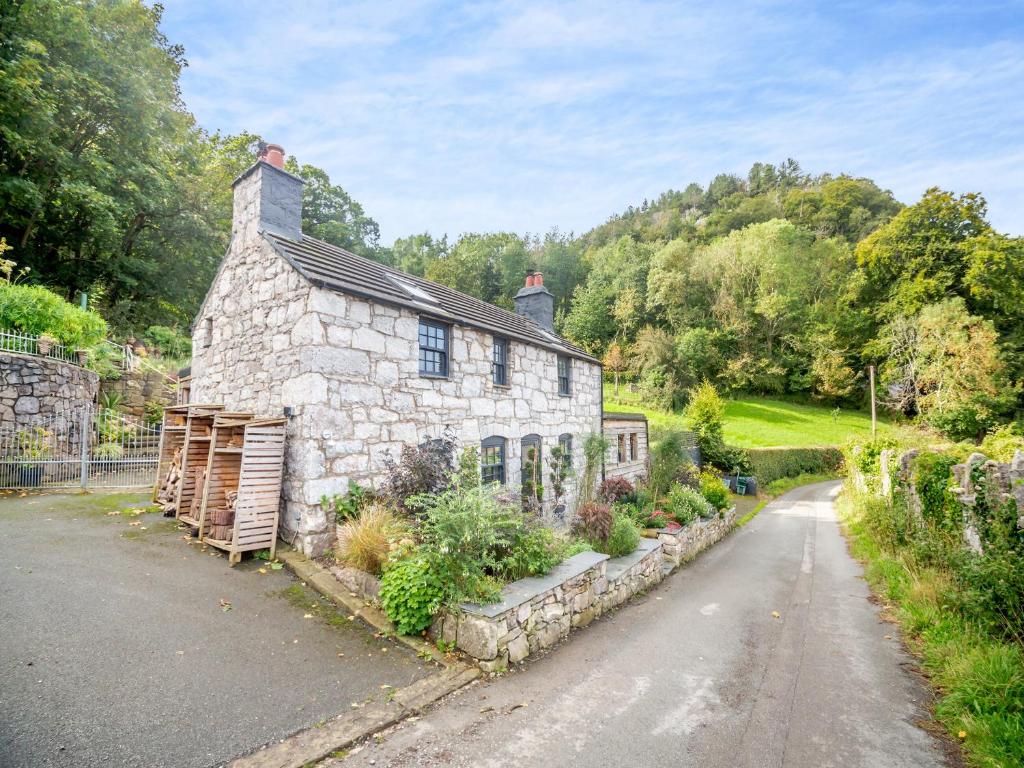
x,y
760,422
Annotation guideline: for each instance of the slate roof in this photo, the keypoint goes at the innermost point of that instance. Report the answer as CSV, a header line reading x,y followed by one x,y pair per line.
x,y
336,269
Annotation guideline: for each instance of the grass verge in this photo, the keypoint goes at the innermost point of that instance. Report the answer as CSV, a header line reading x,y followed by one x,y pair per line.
x,y
980,680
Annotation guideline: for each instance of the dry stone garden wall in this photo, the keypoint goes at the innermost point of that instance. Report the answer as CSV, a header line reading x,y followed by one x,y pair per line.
x,y
34,388
537,612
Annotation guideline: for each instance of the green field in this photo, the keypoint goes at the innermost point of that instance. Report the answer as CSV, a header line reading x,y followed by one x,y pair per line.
x,y
759,422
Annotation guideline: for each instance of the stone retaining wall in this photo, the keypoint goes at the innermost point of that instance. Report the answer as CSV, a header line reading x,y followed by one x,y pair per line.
x,y
136,388
34,388
686,543
537,612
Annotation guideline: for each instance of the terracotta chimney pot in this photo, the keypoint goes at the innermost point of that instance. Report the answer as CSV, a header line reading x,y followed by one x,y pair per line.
x,y
529,280
274,154
538,278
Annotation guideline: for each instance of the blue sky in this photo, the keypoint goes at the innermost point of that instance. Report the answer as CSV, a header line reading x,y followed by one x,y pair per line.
x,y
523,116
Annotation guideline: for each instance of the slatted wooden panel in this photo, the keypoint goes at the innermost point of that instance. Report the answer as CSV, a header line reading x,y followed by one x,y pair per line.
x,y
223,465
259,486
195,456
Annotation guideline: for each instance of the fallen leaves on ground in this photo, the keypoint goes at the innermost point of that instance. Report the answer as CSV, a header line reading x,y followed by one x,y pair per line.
x,y
276,566
225,605
776,615
261,570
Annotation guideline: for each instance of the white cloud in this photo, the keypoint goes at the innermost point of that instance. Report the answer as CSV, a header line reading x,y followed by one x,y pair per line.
x,y
524,116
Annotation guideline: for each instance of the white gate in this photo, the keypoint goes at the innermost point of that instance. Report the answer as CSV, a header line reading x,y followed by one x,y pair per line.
x,y
84,448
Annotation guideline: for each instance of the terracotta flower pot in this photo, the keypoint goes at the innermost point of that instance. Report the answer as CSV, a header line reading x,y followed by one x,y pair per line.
x,y
83,356
45,344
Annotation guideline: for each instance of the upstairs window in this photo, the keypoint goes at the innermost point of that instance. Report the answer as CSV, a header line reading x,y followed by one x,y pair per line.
x,y
564,375
433,349
621,448
634,449
492,460
500,369
207,331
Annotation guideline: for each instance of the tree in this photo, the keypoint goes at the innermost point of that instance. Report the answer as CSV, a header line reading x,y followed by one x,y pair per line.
x,y
415,254
330,214
615,362
944,364
922,255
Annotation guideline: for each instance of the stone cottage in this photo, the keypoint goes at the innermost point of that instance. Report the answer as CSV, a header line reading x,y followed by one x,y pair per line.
x,y
365,359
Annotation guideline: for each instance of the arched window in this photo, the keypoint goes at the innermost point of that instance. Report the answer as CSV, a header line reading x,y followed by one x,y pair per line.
x,y
492,460
565,443
532,468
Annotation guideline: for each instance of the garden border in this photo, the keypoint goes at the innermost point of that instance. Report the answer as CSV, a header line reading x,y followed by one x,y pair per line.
x,y
537,612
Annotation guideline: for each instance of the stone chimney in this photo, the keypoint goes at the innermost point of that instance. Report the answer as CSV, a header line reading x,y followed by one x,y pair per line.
x,y
267,198
536,302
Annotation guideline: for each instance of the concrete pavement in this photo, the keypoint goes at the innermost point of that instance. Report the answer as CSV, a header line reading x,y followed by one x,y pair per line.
x,y
116,648
703,672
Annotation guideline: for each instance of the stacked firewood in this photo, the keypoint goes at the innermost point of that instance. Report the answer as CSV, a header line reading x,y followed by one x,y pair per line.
x,y
198,485
222,519
168,492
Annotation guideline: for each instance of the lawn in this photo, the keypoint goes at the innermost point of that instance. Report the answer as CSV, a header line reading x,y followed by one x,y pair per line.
x,y
760,422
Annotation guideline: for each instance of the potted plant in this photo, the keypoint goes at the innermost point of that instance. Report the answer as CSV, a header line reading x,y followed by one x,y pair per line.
x,y
45,343
32,450
83,356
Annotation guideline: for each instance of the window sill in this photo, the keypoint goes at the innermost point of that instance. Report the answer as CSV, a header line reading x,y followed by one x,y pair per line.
x,y
565,394
435,376
501,386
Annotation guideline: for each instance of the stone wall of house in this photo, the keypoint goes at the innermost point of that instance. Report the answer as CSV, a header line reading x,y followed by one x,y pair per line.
x,y
138,387
632,467
33,388
266,339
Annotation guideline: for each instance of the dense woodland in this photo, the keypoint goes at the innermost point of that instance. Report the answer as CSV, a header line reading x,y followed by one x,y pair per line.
x,y
778,282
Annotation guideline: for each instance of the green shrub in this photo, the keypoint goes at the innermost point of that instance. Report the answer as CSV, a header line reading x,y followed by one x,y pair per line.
x,y
411,593
705,415
34,310
534,553
686,504
170,342
623,538
467,533
771,464
932,477
1001,443
713,489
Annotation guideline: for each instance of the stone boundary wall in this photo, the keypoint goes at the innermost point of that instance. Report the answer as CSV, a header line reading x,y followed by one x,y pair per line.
x,y
34,388
685,544
539,611
896,473
136,388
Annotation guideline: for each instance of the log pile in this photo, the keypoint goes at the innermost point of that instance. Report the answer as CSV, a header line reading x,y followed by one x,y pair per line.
x,y
222,519
168,492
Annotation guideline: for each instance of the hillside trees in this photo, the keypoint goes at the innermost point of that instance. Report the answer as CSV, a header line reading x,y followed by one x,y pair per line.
x,y
107,185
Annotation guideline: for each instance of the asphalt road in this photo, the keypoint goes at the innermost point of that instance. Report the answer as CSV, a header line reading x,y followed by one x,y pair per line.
x,y
701,672
116,648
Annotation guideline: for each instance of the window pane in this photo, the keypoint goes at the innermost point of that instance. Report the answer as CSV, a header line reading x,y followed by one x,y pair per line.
x,y
433,349
500,361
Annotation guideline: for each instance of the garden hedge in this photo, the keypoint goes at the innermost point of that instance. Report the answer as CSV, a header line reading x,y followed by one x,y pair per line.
x,y
770,464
